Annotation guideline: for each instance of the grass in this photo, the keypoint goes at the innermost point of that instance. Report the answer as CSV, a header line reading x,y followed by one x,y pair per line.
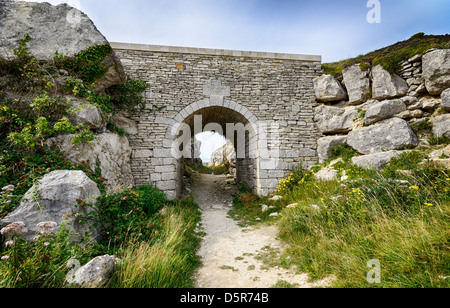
x,y
390,57
403,224
399,218
170,260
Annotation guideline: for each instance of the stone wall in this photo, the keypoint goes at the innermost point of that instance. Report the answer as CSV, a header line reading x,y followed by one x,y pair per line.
x,y
272,91
373,110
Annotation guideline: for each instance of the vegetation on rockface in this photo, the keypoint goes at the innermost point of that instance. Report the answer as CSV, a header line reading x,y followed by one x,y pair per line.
x,y
390,57
398,216
33,108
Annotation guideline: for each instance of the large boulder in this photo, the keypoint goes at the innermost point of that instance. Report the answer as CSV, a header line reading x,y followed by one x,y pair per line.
x,y
325,146
383,110
109,152
386,85
332,120
53,29
56,196
357,83
436,71
390,134
329,89
376,161
445,96
441,126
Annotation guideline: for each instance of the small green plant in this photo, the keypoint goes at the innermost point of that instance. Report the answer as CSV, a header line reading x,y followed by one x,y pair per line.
x,y
39,263
129,95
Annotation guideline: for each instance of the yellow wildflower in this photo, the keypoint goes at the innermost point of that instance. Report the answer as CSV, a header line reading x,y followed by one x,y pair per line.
x,y
414,187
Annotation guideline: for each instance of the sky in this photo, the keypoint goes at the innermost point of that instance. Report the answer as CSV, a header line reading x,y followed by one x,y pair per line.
x,y
335,30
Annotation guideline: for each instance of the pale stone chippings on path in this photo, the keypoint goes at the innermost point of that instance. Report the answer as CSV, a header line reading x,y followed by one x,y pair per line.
x,y
229,251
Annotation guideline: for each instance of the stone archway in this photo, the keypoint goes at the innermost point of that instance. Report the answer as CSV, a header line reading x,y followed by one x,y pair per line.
x,y
230,119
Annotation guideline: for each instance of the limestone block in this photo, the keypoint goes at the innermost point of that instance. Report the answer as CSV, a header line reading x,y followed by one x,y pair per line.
x,y
436,71
357,83
390,134
329,89
386,85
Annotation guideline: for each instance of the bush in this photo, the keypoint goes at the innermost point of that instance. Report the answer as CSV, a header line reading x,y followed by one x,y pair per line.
x,y
127,215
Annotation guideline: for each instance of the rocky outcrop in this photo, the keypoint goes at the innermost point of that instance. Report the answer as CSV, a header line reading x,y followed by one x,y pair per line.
x,y
384,110
390,134
375,161
109,152
55,196
327,144
357,83
328,89
331,120
408,96
226,156
386,85
96,274
129,126
86,114
441,126
53,29
436,71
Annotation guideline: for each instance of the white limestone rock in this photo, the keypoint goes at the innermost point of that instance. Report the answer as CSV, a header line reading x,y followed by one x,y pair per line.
x,y
436,71
58,29
386,85
113,152
329,89
357,83
54,196
333,120
390,134
383,110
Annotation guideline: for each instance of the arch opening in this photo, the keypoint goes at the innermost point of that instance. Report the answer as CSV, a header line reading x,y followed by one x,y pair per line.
x,y
230,124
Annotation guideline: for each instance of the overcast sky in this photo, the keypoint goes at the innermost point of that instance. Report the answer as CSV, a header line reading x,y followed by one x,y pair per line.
x,y
334,29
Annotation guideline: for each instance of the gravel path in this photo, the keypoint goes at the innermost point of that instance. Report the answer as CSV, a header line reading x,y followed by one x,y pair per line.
x,y
230,254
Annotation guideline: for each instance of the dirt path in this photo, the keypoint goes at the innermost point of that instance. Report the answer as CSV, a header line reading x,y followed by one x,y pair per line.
x,y
232,255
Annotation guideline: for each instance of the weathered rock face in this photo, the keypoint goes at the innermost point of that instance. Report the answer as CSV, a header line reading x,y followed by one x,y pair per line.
x,y
386,85
441,126
326,145
53,29
128,125
357,83
95,274
334,119
383,110
391,134
56,195
375,161
111,151
436,71
329,89
445,96
85,113
226,155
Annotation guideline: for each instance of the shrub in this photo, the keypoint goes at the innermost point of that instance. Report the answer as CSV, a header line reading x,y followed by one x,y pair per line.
x,y
41,263
127,215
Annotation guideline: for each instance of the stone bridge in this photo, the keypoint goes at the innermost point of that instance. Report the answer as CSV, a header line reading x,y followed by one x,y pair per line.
x,y
262,102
